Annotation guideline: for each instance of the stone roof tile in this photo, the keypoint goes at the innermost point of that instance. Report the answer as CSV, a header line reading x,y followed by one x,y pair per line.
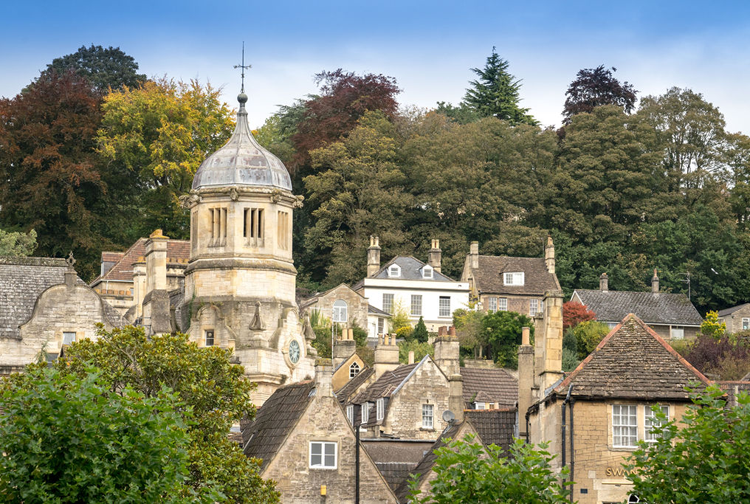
x,y
488,278
652,308
493,385
496,426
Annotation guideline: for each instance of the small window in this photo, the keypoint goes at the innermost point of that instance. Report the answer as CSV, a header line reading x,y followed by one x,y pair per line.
x,y
624,426
210,337
479,406
633,499
388,303
350,413
68,338
651,421
515,279
492,304
416,305
365,413
380,409
394,271
323,455
353,370
502,304
533,307
427,411
677,332
427,272
254,229
282,230
218,226
381,325
444,307
340,311
745,324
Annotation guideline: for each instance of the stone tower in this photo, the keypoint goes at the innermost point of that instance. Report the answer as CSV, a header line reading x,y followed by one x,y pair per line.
x,y
240,281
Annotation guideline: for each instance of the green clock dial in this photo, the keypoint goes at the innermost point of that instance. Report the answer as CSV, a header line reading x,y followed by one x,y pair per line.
x,y
294,352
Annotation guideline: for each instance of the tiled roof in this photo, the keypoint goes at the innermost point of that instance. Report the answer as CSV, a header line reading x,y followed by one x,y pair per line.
x,y
659,308
493,385
386,384
632,362
275,420
411,269
729,311
344,393
496,426
377,311
177,251
488,278
395,473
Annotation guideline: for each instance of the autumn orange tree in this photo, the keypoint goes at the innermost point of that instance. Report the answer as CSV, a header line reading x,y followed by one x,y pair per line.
x,y
574,313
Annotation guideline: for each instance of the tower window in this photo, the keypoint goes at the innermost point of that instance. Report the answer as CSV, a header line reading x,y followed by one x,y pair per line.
x,y
283,230
253,229
218,226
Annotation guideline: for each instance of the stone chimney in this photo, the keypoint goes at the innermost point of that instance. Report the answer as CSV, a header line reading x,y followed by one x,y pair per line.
x,y
447,353
411,356
435,255
549,255
655,283
525,379
549,341
604,283
139,285
386,355
323,377
474,254
373,256
344,347
456,396
156,300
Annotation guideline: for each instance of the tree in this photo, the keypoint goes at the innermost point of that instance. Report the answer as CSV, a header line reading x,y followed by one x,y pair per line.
x,y
214,392
17,244
727,357
495,93
104,69
588,335
468,472
701,459
420,332
712,327
570,350
594,87
70,439
501,335
420,350
574,313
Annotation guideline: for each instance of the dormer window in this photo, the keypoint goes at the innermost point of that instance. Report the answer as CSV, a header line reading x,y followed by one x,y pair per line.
x,y
354,370
515,278
394,271
427,272
380,409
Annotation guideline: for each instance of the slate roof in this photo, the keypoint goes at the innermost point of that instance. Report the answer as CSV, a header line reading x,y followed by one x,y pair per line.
x,y
411,269
275,420
729,311
496,426
377,311
177,251
395,473
660,308
632,362
344,393
22,280
386,384
489,385
488,278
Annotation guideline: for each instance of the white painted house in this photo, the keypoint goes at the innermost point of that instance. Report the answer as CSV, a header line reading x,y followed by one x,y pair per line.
x,y
419,289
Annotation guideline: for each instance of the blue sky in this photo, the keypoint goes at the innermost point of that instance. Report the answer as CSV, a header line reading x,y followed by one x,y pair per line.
x,y
429,47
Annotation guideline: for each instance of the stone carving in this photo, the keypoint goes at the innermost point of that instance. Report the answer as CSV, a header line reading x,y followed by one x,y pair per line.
x,y
257,322
70,260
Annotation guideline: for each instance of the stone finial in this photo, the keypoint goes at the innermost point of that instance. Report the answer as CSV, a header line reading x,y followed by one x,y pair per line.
x,y
70,260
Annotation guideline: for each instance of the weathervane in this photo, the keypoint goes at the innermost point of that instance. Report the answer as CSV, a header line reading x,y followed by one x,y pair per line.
x,y
243,66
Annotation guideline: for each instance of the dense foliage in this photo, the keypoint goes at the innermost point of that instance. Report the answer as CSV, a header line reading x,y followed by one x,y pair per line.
x,y
468,472
702,458
723,358
17,244
574,313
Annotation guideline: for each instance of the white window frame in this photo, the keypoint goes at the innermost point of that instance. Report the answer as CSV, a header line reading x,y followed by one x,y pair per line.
x,y
339,312
444,306
677,332
624,426
394,271
323,445
479,406
428,416
514,278
354,370
650,421
365,413
427,272
745,323
416,305
502,304
533,307
379,409
212,339
492,304
381,325
388,306
350,413
66,339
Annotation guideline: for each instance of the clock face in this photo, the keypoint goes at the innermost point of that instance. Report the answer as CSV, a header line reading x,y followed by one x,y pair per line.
x,y
294,352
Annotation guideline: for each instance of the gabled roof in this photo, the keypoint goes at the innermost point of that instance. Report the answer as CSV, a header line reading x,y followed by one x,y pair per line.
x,y
344,393
729,311
177,251
652,308
411,269
377,311
496,426
632,362
304,303
489,385
388,383
275,420
488,278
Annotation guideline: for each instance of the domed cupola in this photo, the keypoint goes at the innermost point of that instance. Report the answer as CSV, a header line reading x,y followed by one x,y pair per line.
x,y
242,162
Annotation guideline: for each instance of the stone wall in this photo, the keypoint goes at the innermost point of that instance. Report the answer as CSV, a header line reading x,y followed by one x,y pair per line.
x,y
298,483
356,305
734,319
518,304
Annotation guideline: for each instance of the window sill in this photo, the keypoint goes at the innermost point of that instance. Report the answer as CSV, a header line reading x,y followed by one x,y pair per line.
x,y
427,429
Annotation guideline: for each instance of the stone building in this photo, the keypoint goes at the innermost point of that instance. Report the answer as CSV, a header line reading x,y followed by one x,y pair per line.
x,y
44,306
737,318
308,446
517,284
672,316
347,308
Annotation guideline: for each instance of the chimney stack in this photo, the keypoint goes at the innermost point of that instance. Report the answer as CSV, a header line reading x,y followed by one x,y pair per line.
x,y
447,352
456,396
386,355
549,341
435,255
474,254
373,256
655,283
344,347
525,379
411,356
604,283
156,313
323,377
549,255
139,285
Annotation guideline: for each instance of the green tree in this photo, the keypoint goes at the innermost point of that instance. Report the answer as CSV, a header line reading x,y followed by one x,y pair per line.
x,y
712,327
468,472
214,391
594,87
588,335
701,458
70,439
420,333
495,93
102,68
501,335
17,244
570,350
420,350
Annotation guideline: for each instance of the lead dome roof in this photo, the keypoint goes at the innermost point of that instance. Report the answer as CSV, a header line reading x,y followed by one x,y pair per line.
x,y
242,161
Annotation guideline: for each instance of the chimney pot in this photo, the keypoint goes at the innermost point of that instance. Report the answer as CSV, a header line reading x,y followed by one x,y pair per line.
x,y
411,356
525,339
